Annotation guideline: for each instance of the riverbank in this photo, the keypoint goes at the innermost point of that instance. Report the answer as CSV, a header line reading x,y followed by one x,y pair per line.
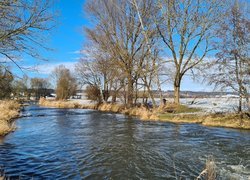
x,y
66,104
215,120
141,112
9,110
169,113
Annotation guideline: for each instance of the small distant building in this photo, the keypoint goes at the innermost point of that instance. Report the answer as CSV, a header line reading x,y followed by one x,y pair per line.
x,y
80,94
51,96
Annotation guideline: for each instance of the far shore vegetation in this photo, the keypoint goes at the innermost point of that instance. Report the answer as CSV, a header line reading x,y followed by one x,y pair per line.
x,y
168,113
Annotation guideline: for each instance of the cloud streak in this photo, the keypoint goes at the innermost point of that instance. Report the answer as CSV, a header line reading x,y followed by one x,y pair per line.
x,y
78,52
48,68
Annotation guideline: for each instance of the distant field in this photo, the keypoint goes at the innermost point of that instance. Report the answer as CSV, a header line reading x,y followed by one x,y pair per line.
x,y
214,104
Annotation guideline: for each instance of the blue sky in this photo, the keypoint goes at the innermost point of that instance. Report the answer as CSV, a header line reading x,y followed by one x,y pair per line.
x,y
68,38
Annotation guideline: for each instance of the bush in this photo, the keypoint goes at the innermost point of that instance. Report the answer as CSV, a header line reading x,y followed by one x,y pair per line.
x,y
93,93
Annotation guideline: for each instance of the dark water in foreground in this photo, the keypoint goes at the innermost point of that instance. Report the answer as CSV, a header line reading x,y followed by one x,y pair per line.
x,y
85,144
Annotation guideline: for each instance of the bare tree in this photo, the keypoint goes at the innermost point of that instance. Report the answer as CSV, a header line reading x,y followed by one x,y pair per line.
x,y
22,24
39,87
93,93
66,85
97,69
152,67
230,71
185,27
20,87
118,32
6,79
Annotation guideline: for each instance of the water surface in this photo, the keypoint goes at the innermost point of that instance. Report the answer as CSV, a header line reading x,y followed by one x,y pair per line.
x,y
55,143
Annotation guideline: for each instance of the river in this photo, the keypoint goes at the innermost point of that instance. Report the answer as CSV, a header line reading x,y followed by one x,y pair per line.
x,y
52,143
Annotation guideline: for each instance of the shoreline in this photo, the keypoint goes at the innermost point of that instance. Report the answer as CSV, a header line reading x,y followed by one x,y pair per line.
x,y
225,120
9,111
229,120
141,112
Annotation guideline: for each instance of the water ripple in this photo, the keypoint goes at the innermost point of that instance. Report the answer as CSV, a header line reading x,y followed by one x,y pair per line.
x,y
85,144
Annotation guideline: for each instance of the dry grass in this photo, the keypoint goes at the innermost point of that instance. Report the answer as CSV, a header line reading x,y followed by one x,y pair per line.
x,y
8,111
168,113
65,104
174,108
181,118
141,112
209,173
106,107
216,120
183,114
179,114
227,120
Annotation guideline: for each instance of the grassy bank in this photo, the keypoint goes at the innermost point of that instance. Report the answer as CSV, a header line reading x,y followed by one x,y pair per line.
x,y
8,111
216,120
169,113
183,114
141,112
65,104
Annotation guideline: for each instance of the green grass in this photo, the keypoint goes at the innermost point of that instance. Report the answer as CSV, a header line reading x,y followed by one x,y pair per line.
x,y
192,118
175,109
166,116
179,113
186,109
228,120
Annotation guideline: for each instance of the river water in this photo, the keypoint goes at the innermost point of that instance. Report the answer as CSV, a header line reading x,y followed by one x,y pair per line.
x,y
53,143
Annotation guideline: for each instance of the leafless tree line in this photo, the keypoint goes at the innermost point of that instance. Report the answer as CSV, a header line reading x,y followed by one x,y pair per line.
x,y
129,41
23,88
132,45
231,69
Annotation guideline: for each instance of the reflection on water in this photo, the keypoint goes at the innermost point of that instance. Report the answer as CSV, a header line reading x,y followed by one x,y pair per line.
x,y
87,144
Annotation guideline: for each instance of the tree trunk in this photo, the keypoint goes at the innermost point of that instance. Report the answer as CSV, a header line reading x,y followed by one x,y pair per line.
x,y
105,89
113,97
248,103
177,85
144,94
151,95
136,92
101,91
125,95
159,89
130,92
177,94
240,104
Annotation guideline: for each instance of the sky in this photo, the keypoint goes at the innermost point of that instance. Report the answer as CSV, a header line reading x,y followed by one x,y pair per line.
x,y
67,39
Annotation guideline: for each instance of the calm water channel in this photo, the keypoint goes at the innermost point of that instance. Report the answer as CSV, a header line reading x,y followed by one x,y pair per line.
x,y
55,143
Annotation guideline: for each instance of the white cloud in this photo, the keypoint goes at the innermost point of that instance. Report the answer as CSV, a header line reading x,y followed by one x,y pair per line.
x,y
75,52
49,67
78,52
76,58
